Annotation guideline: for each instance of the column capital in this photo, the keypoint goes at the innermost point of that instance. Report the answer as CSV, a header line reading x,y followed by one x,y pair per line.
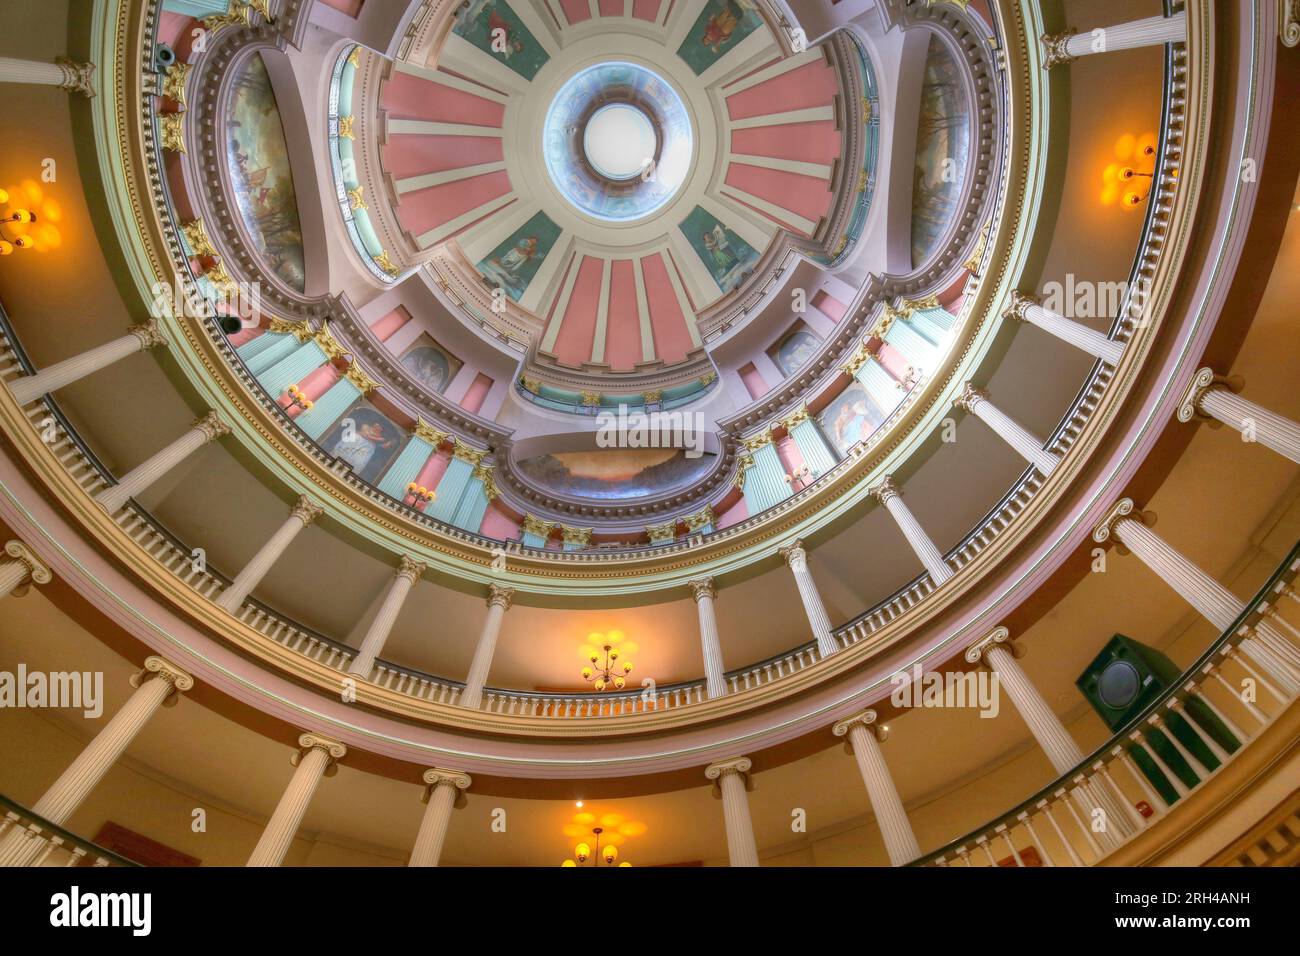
x,y
865,718
797,417
888,488
211,426
305,510
795,555
37,571
149,334
1054,53
163,669
702,588
970,397
1018,306
500,596
1120,511
77,77
755,442
734,766
1203,381
998,637
411,569
332,748
438,776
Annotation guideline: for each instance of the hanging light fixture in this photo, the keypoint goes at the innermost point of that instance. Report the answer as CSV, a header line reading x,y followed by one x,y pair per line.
x,y
17,220
1129,179
605,671
582,853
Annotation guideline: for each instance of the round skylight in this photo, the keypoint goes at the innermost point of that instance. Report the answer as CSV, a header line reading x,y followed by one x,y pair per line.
x,y
620,141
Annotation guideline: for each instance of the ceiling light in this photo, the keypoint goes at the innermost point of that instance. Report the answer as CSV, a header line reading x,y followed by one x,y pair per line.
x,y
606,672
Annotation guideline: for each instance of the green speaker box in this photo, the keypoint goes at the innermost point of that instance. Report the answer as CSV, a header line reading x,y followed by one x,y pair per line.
x,y
1122,681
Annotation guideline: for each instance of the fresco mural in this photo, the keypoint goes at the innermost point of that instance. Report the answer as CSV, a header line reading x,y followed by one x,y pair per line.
x,y
615,473
794,350
495,28
729,259
366,439
850,417
430,364
258,159
720,26
514,263
942,151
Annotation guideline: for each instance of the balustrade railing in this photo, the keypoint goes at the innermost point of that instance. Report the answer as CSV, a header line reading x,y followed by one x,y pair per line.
x,y
51,845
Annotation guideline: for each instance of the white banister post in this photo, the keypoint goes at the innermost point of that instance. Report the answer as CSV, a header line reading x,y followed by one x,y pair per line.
x,y
21,570
304,513
976,401
1066,47
70,370
208,428
704,594
1213,397
818,621
498,602
63,73
372,645
731,781
315,759
155,685
891,496
1026,308
864,738
443,793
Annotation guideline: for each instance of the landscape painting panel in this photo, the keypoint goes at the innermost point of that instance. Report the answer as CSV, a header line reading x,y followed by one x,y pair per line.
x,y
850,417
729,259
432,366
720,26
513,264
615,473
942,151
258,158
366,439
495,28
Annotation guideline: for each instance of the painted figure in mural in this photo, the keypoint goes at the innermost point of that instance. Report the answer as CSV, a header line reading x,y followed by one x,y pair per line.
x,y
429,367
506,269
367,439
716,242
852,424
797,349
719,27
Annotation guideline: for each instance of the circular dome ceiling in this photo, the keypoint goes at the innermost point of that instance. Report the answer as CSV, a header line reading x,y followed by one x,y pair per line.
x,y
617,141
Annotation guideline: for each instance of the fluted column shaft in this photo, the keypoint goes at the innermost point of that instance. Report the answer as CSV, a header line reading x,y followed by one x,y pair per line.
x,y
499,600
13,575
72,77
1150,31
372,645
730,776
77,367
154,686
303,514
206,429
443,787
818,621
924,548
312,763
1268,428
710,646
895,828
1009,430
1071,332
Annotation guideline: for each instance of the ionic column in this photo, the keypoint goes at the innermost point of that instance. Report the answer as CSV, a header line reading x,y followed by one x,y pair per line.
x,y
498,602
303,514
997,651
1066,47
705,594
408,572
208,428
976,401
865,736
21,570
63,373
892,498
731,783
1026,308
797,558
443,793
155,685
63,73
1210,396
315,760
1215,603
